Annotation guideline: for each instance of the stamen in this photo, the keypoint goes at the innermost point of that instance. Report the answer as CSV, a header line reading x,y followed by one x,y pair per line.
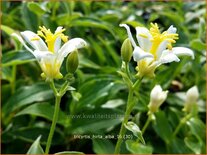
x,y
35,38
50,38
143,35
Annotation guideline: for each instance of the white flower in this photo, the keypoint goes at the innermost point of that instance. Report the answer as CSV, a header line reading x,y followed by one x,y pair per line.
x,y
50,55
155,48
191,98
157,97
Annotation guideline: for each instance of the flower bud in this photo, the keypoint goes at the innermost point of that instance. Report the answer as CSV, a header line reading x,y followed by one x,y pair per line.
x,y
72,62
191,99
157,97
126,50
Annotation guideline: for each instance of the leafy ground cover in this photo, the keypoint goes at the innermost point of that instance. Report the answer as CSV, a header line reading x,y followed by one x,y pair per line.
x,y
91,112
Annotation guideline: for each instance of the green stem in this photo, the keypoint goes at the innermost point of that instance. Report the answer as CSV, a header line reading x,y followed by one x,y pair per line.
x,y
130,105
54,121
183,121
146,124
127,69
13,81
126,117
58,96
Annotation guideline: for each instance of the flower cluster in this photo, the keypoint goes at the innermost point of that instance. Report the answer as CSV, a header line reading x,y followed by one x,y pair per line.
x,y
51,53
155,48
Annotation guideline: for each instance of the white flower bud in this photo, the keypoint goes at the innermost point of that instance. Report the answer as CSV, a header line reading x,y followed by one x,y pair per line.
x,y
191,98
157,97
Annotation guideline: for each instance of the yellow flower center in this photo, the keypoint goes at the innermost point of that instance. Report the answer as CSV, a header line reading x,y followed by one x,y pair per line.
x,y
50,38
158,38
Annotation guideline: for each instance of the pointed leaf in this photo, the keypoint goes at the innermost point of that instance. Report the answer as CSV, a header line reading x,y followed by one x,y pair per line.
x,y
138,148
131,126
36,147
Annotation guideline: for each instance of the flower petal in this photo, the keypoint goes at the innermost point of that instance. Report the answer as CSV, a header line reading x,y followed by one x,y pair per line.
x,y
71,46
192,95
163,44
155,91
129,34
58,40
167,57
22,42
42,54
34,40
143,36
180,51
172,29
139,54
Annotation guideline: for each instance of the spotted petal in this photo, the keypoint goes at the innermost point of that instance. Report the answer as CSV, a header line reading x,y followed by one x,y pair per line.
x,y
34,40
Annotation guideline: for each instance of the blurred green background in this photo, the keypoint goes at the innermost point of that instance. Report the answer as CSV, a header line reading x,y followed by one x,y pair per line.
x,y
28,103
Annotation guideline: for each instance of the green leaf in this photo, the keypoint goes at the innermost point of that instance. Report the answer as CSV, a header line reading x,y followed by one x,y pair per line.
x,y
162,127
94,120
197,127
44,110
131,126
192,143
177,146
103,146
17,58
26,95
93,23
198,45
113,103
70,152
36,147
138,148
29,134
36,8
7,29
29,18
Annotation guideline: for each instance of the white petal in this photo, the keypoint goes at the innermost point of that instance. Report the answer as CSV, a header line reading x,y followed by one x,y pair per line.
x,y
58,40
192,95
172,29
59,28
144,41
139,54
22,42
181,51
157,95
167,57
163,44
161,48
129,34
71,46
57,44
42,54
36,44
155,91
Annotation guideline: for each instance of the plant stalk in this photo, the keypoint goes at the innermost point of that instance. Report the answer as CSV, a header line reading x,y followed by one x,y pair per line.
x,y
126,117
58,97
54,121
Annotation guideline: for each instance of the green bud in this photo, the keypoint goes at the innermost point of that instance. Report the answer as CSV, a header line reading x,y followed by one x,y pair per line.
x,y
72,62
126,50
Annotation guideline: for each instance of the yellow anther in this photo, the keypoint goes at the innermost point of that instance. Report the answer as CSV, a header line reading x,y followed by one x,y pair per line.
x,y
158,37
143,35
35,38
50,38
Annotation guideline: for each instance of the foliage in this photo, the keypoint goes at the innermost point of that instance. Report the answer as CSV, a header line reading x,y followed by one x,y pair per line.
x,y
28,103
